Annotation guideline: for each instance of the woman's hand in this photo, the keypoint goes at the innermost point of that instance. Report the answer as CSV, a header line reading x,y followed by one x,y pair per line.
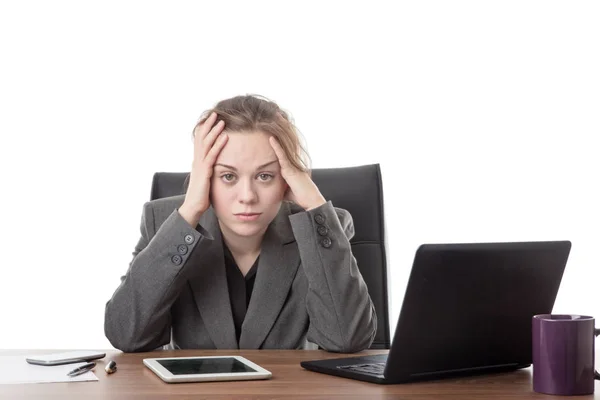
x,y
302,190
208,143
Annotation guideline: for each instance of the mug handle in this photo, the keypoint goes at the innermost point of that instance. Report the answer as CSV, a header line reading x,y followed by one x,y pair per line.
x,y
596,374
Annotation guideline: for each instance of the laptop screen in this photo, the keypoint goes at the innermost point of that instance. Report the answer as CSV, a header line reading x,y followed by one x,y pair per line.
x,y
470,305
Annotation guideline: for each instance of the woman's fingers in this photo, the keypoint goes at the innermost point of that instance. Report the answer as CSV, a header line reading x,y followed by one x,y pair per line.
x,y
210,138
215,149
205,128
283,161
200,133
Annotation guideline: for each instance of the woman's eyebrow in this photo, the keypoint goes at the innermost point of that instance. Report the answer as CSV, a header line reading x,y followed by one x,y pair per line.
x,y
267,164
226,166
235,169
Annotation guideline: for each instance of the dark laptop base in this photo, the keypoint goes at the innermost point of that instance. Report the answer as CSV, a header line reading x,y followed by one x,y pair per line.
x,y
330,367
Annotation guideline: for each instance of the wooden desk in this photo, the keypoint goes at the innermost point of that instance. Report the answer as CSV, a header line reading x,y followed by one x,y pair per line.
x,y
290,381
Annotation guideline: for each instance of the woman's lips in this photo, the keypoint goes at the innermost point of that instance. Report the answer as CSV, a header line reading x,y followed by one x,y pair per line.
x,y
248,216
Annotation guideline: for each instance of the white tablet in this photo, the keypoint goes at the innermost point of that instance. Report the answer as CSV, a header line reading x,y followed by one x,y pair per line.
x,y
203,369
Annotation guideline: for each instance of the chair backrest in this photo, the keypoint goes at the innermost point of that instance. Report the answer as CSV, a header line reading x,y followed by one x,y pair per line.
x,y
356,189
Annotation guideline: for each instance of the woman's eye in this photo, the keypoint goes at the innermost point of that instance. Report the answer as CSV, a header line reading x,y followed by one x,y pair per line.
x,y
228,177
265,177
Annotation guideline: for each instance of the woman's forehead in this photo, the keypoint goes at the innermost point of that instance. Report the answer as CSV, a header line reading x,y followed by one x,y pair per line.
x,y
247,151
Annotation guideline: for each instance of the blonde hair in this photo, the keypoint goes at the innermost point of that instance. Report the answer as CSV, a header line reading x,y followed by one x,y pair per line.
x,y
252,113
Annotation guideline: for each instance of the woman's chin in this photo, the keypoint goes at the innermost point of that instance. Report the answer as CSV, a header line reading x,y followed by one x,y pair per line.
x,y
247,230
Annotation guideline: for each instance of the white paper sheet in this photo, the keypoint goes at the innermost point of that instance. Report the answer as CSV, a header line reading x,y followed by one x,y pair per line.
x,y
14,369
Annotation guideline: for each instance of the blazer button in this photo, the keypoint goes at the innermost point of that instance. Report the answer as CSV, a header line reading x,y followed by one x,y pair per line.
x,y
322,230
176,259
326,242
189,239
319,219
182,249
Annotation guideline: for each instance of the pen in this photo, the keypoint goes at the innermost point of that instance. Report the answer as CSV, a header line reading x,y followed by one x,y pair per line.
x,y
82,370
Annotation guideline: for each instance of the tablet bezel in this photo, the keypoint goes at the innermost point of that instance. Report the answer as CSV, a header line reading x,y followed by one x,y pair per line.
x,y
167,376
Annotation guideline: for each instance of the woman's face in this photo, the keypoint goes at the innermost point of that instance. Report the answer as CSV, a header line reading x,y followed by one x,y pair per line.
x,y
247,187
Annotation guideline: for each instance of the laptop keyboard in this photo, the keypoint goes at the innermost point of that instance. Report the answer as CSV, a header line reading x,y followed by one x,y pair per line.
x,y
374,368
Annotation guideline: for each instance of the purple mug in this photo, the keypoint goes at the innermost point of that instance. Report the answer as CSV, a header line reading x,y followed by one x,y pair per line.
x,y
563,354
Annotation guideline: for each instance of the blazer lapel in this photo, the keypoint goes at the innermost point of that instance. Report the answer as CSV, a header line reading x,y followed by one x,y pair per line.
x,y
209,285
277,267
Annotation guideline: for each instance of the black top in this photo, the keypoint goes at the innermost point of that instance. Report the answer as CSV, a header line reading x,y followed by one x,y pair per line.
x,y
240,289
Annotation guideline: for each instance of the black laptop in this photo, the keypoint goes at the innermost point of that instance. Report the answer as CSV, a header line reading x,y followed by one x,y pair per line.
x,y
467,309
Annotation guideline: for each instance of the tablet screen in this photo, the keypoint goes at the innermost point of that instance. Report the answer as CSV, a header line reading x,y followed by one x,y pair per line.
x,y
222,365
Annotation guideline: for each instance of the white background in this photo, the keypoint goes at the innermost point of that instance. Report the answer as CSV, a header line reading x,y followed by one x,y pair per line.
x,y
482,114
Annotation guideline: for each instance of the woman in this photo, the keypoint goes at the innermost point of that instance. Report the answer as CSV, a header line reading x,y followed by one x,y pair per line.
x,y
251,257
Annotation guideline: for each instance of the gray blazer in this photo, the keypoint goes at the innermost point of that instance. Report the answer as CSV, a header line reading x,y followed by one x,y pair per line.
x,y
307,286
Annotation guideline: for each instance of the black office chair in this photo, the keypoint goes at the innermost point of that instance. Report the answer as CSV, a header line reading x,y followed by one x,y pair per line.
x,y
356,189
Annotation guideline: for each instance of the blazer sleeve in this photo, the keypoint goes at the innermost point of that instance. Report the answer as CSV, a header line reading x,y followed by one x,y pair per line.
x,y
342,315
137,317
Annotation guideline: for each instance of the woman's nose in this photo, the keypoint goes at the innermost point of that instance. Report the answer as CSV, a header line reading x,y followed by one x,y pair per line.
x,y
247,193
